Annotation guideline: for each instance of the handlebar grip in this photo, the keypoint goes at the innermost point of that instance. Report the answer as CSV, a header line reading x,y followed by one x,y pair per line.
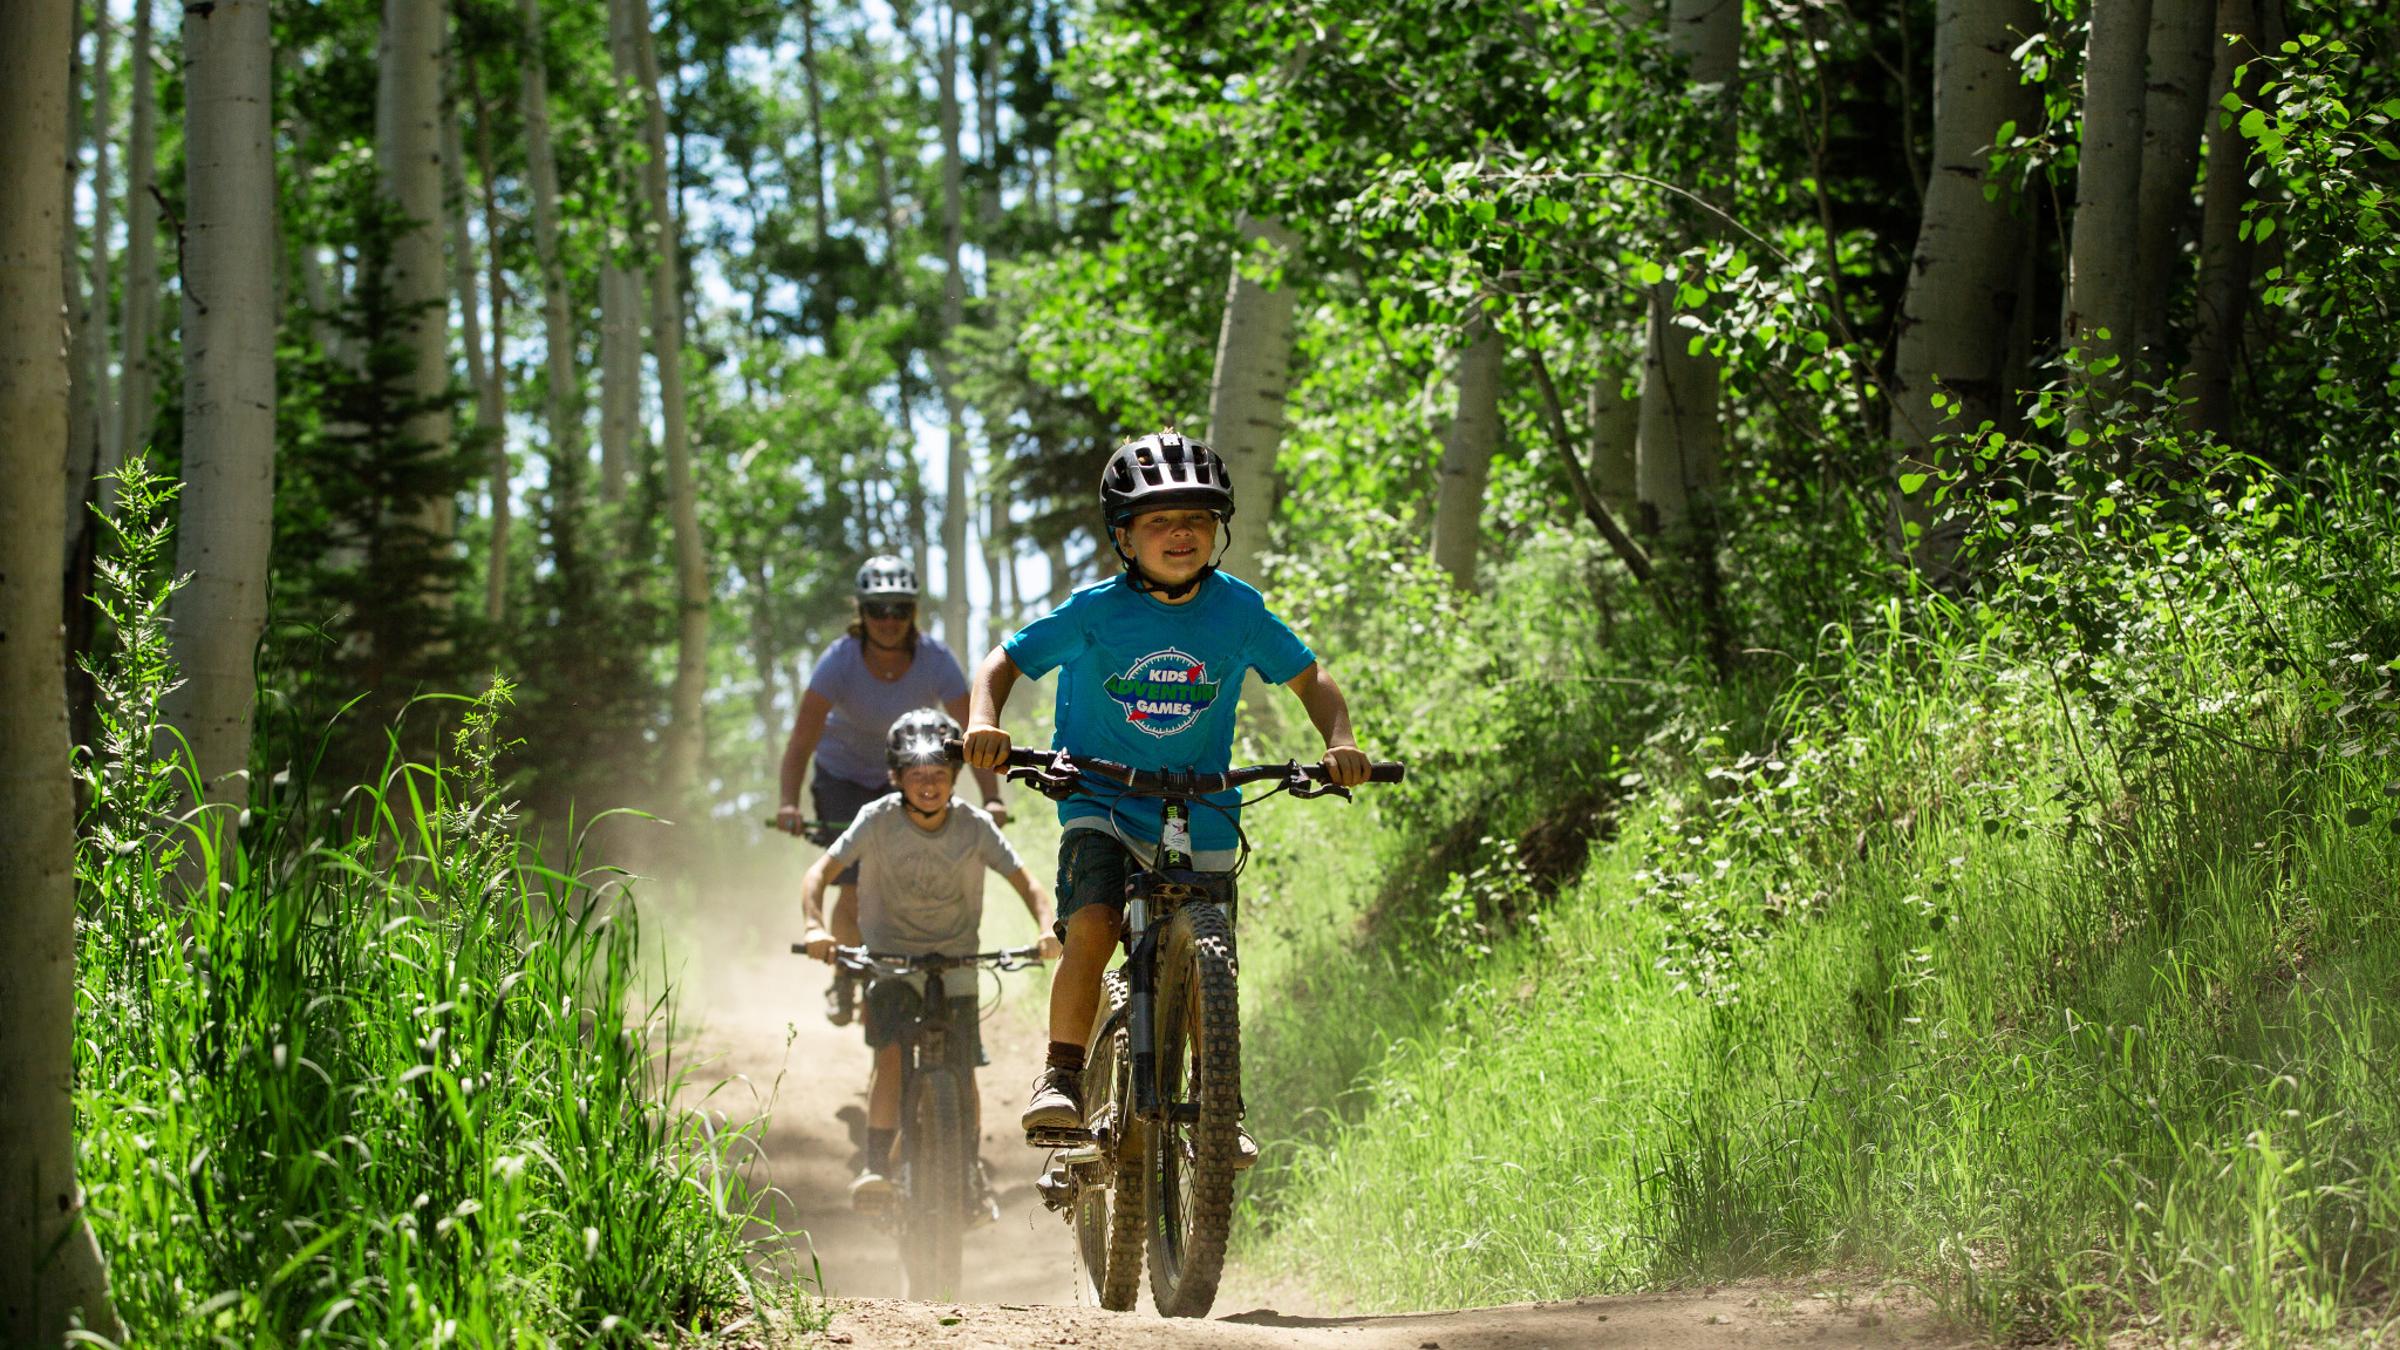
x,y
1386,771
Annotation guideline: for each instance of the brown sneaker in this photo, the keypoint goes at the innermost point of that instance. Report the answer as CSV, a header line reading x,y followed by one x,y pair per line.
x,y
1057,1101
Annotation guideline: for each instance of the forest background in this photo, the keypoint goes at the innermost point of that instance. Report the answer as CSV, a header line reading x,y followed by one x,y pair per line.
x,y
1871,522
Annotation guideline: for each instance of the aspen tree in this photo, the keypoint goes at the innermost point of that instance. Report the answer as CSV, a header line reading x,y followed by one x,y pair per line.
x,y
558,331
684,742
620,306
1467,448
408,155
1252,376
2174,104
1965,274
137,389
955,507
2226,251
228,497
50,1269
2101,279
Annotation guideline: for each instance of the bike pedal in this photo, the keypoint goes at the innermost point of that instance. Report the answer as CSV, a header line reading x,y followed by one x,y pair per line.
x,y
1053,1136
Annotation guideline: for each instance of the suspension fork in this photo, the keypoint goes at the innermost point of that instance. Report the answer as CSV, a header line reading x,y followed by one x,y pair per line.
x,y
1141,962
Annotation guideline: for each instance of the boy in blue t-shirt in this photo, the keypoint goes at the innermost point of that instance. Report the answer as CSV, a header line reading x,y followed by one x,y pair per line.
x,y
1150,665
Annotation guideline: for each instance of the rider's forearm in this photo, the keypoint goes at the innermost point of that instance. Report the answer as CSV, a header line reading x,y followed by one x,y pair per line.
x,y
1327,709
994,680
985,779
812,894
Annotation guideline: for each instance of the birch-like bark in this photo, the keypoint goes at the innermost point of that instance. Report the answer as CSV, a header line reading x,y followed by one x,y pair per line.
x,y
1963,300
50,1269
2101,278
1616,425
685,742
809,76
462,240
955,506
2176,100
620,306
2223,293
408,153
1467,450
1246,392
138,388
904,392
558,331
1681,438
228,387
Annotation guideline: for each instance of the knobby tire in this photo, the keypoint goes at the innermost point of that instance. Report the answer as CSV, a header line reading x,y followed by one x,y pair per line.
x,y
938,1187
1192,1164
1108,1219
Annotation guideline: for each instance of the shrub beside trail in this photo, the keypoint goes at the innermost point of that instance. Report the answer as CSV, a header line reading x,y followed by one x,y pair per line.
x,y
2038,946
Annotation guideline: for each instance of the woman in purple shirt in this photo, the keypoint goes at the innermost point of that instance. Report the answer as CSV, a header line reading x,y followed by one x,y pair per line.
x,y
882,668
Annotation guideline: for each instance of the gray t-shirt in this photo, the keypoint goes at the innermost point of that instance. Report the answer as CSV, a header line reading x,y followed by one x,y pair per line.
x,y
864,707
921,891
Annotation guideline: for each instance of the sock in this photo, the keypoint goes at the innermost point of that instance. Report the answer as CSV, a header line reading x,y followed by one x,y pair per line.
x,y
879,1149
1066,1055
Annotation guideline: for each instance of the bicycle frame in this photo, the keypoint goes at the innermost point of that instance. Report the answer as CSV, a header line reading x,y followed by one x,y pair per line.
x,y
1171,884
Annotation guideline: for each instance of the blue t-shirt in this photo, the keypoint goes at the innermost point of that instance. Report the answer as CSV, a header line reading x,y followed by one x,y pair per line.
x,y
1154,685
864,707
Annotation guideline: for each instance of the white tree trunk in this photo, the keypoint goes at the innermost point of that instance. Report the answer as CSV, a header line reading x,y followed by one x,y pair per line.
x,y
228,386
955,506
620,306
1963,296
1616,426
685,741
2108,176
408,153
558,330
462,242
1679,438
49,1267
138,389
1467,456
2223,293
1246,392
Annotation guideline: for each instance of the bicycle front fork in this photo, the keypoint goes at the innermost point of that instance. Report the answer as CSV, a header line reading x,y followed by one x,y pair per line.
x,y
1141,980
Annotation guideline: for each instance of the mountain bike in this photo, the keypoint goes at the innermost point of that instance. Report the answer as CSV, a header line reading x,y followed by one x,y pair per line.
x,y
935,1186
1155,1162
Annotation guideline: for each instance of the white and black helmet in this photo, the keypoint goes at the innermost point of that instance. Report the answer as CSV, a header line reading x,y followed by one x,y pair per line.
x,y
921,736
1160,471
885,576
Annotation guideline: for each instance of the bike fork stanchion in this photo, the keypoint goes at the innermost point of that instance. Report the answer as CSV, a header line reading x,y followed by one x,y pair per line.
x,y
1141,975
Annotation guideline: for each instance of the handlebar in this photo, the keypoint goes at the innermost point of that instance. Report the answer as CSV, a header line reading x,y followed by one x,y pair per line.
x,y
902,963
800,825
1054,774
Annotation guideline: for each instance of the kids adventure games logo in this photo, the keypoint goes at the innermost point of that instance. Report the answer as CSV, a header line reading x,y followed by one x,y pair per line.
x,y
1164,692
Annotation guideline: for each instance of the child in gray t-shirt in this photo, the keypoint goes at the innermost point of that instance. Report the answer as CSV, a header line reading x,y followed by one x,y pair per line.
x,y
921,855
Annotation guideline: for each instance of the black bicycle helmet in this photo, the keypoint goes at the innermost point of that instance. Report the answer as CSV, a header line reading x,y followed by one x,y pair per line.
x,y
1162,471
885,576
921,736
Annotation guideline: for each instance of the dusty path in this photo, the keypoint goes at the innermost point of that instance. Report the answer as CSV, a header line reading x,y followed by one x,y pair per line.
x,y
753,1018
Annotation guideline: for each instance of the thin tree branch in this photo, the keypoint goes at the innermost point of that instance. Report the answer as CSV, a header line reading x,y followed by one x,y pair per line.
x,y
1554,416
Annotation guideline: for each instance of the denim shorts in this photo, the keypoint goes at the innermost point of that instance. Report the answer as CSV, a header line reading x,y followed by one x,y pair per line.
x,y
892,1004
1093,868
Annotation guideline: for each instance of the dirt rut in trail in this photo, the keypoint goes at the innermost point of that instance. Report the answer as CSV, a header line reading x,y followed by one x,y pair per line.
x,y
754,1031
1749,1316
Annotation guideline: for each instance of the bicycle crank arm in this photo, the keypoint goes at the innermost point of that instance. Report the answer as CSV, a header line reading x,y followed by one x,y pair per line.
x,y
1054,1136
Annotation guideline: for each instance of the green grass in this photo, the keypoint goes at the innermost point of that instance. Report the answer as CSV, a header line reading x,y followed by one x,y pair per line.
x,y
369,1068
2062,976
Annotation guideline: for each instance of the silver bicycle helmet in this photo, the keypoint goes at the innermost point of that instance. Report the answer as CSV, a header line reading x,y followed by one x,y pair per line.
x,y
886,577
920,736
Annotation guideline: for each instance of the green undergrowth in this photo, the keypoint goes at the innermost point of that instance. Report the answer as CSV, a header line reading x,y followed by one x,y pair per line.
x,y
365,1067
2041,949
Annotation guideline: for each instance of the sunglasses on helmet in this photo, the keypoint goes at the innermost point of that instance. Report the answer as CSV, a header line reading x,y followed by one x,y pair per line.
x,y
886,609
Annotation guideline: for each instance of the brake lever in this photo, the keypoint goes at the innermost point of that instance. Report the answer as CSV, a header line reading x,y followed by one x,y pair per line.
x,y
1301,785
1056,779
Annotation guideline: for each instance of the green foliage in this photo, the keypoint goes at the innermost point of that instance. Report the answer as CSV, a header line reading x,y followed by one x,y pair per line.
x,y
2038,948
370,1069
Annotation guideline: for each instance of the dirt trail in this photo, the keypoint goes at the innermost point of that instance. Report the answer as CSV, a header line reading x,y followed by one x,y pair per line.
x,y
753,1018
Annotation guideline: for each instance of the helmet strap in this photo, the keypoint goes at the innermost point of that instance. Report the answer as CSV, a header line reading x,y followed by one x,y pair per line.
x,y
1140,581
919,812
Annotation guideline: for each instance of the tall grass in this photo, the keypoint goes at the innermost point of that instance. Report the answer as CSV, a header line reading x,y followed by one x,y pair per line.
x,y
363,1068
2042,950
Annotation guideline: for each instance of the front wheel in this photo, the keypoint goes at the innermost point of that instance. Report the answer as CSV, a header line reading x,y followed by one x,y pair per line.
x,y
1193,1155
1108,1218
940,1159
